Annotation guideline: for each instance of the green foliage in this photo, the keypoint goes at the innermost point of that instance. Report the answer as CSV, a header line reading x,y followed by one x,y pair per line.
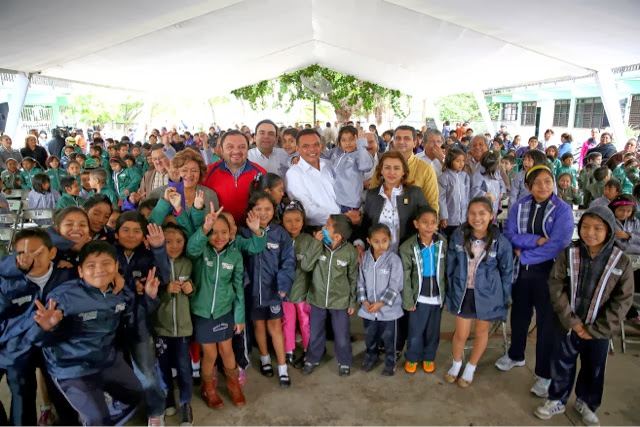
x,y
349,92
463,107
91,109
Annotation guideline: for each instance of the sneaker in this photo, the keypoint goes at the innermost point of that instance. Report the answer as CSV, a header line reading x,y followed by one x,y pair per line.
x,y
242,377
505,363
46,417
344,370
541,387
170,405
187,415
588,416
549,409
308,368
156,421
388,371
368,364
428,367
410,367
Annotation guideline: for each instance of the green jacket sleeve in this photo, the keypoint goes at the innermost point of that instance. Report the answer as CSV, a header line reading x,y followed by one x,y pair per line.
x,y
238,301
133,182
254,245
309,261
196,244
160,212
184,220
352,273
197,217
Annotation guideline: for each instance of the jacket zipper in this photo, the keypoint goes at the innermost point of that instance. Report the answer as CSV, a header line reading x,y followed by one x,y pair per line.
x,y
215,287
375,289
174,303
326,303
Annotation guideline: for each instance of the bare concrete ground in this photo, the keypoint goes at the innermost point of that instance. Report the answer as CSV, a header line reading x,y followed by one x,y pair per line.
x,y
495,398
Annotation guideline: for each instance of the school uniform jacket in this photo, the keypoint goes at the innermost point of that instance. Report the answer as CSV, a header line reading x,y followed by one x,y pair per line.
x,y
381,280
492,284
26,177
127,180
569,197
482,184
455,188
66,200
173,317
632,227
54,177
302,281
412,265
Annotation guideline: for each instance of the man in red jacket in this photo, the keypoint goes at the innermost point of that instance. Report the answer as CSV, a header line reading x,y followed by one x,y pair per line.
x,y
231,177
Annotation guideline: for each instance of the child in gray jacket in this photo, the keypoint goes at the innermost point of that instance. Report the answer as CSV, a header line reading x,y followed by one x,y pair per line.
x,y
380,282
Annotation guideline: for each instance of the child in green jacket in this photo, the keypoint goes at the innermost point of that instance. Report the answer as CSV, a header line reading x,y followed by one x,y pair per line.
x,y
55,173
29,170
70,193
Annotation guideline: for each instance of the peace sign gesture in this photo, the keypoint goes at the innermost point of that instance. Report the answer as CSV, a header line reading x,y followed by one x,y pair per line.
x,y
211,217
47,318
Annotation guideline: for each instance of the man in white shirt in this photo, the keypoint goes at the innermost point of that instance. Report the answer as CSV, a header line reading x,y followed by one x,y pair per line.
x,y
310,181
432,152
266,154
372,148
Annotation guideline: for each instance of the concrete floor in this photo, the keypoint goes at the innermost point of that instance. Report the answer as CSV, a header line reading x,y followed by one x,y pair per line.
x,y
495,398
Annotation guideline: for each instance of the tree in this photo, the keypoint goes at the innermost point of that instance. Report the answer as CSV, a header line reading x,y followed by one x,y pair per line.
x,y
463,108
349,95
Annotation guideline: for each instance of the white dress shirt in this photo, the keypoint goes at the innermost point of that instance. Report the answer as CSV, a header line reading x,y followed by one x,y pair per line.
x,y
314,189
435,163
273,163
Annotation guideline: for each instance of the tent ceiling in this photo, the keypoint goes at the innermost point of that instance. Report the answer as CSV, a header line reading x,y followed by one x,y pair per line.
x,y
208,47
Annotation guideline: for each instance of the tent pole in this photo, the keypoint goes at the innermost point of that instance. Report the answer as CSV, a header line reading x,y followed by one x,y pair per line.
x,y
18,96
484,110
611,102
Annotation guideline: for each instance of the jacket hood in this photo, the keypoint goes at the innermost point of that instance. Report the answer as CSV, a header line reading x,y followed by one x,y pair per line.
x,y
607,216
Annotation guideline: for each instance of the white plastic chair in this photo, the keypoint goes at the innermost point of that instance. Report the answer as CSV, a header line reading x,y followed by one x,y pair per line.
x,y
15,194
6,238
37,216
15,205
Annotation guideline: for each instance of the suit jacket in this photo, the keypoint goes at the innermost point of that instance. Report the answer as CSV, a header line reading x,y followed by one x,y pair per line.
x,y
408,203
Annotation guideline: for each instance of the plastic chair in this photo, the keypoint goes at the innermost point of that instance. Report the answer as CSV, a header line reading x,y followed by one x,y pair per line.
x,y
15,205
14,194
38,216
6,238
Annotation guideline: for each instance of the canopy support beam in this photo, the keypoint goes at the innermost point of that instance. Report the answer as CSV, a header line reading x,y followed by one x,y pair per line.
x,y
611,102
18,96
484,110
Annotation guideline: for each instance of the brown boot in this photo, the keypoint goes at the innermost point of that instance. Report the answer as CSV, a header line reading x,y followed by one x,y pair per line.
x,y
209,394
234,386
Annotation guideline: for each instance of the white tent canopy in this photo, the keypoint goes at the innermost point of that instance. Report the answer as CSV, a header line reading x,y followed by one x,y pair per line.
x,y
426,48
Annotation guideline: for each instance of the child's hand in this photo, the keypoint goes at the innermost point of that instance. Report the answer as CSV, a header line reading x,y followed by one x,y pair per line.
x,y
575,190
579,329
118,284
253,223
621,234
175,199
283,295
360,254
126,193
517,252
412,308
210,218
64,264
155,238
318,235
135,197
151,284
198,202
24,260
367,305
376,306
295,160
47,318
541,241
174,287
238,328
187,288
443,223
354,215
491,197
167,193
350,311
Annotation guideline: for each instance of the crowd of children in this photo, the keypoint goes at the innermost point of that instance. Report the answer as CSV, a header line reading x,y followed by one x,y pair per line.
x,y
112,301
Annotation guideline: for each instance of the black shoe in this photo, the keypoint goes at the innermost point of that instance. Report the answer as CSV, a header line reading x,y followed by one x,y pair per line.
x,y
308,368
388,371
187,415
299,362
285,381
344,370
289,357
368,364
170,405
266,370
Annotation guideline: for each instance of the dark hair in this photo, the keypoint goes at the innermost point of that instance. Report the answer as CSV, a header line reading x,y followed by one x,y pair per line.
x,y
130,157
97,148
601,173
34,232
563,174
232,132
146,146
174,227
630,162
149,203
510,159
304,132
97,141
347,129
552,147
296,206
467,230
290,131
566,156
530,177
614,183
538,157
593,155
38,180
51,159
254,197
96,248
66,182
425,210
122,144
590,166
132,216
453,154
96,199
342,225
636,191
406,127
261,122
263,182
60,215
378,227
622,200
81,156
490,162
567,136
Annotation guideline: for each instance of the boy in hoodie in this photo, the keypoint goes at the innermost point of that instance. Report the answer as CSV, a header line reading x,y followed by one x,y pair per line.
x,y
379,288
77,331
591,288
70,193
423,261
594,190
333,262
612,189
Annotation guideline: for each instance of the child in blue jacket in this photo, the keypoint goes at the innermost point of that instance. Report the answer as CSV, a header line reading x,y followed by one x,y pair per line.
x,y
479,265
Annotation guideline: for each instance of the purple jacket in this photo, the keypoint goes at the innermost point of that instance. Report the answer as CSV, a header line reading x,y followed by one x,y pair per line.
x,y
557,227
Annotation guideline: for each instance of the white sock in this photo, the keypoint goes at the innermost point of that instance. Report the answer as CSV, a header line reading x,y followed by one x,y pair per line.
x,y
469,370
265,360
282,370
195,365
289,352
455,368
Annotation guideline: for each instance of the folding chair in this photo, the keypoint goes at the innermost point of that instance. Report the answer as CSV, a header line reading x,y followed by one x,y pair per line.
x,y
40,217
6,238
14,194
15,205
8,220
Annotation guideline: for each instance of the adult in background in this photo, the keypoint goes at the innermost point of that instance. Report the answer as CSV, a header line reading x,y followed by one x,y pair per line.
x,y
420,173
231,177
32,149
588,145
547,140
432,152
167,148
480,145
157,176
372,148
565,144
605,147
266,154
7,152
630,147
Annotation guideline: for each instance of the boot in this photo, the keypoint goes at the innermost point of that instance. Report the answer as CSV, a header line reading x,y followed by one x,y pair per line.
x,y
234,386
209,394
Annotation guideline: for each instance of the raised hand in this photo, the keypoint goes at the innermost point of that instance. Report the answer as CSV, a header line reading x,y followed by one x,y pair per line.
x,y
210,218
167,193
155,236
47,318
175,199
253,222
24,260
198,202
151,284
135,197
